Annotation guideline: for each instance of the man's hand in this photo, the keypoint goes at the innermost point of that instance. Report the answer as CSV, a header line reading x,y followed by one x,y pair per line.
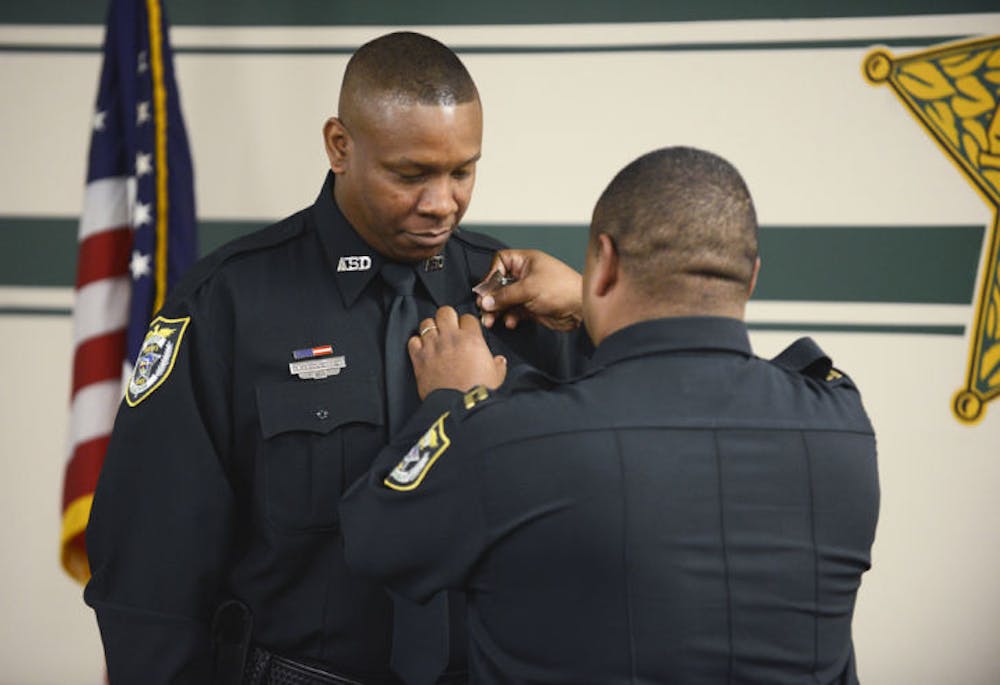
x,y
545,290
452,353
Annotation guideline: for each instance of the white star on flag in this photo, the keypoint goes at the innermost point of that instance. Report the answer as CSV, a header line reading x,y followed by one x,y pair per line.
x,y
143,64
143,163
142,113
98,121
139,266
143,214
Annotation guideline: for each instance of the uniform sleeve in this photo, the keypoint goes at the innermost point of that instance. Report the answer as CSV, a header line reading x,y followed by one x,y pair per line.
x,y
160,527
416,522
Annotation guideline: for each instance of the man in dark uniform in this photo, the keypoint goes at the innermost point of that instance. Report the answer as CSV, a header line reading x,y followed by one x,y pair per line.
x,y
267,387
683,512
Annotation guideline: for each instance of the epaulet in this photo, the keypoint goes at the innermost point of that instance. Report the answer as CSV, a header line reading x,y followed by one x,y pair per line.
x,y
804,356
478,241
519,379
478,250
272,235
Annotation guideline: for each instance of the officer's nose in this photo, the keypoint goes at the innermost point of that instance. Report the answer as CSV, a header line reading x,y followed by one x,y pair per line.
x,y
438,198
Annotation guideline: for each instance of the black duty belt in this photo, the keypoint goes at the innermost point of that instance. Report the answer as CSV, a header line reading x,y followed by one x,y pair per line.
x,y
264,668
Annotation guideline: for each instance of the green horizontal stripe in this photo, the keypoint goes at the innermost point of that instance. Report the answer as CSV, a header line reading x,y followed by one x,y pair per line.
x,y
926,265
459,12
892,43
35,311
797,327
858,328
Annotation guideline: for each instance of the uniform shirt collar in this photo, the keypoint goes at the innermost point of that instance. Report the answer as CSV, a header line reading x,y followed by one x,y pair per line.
x,y
349,255
675,334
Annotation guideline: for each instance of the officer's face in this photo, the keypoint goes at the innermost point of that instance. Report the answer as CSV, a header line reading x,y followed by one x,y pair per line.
x,y
405,173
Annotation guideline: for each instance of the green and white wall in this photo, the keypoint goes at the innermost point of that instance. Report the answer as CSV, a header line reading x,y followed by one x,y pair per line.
x,y
871,239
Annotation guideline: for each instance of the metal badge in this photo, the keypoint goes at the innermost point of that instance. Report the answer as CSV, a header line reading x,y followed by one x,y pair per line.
x,y
492,283
435,263
354,263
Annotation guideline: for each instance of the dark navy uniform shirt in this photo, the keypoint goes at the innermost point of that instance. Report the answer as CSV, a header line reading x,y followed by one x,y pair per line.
x,y
683,513
225,469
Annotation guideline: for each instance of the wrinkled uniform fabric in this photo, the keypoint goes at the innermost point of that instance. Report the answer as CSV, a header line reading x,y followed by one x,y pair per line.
x,y
684,512
223,482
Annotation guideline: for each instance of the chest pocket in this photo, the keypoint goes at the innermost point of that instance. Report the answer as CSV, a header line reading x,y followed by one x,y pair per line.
x,y
314,433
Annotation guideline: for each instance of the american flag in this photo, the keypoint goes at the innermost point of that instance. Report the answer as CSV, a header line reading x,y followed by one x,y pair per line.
x,y
137,235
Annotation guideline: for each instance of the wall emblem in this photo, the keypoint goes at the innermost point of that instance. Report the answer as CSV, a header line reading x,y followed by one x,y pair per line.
x,y
954,92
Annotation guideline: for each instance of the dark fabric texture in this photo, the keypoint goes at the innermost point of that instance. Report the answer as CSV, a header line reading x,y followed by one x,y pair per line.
x,y
684,512
223,483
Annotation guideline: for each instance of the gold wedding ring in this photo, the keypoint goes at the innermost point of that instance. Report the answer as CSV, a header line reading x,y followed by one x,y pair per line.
x,y
423,330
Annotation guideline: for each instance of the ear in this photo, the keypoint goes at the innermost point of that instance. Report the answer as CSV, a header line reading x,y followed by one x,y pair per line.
x,y
606,264
338,144
753,278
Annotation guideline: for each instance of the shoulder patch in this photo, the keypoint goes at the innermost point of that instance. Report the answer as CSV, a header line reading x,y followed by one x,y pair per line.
x,y
413,467
156,357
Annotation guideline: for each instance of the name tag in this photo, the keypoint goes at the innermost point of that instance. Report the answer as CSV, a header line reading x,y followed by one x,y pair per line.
x,y
318,368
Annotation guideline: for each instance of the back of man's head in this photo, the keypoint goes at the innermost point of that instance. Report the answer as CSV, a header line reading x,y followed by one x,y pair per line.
x,y
405,68
684,227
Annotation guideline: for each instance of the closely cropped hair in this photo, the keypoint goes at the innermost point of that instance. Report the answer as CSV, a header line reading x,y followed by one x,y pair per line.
x,y
408,68
680,215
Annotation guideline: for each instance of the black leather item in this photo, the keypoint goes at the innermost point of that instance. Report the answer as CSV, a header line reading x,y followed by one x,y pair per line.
x,y
264,668
232,626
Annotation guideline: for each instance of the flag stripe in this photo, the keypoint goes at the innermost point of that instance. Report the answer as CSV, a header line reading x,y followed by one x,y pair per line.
x,y
100,308
98,359
94,410
105,205
84,466
103,255
74,550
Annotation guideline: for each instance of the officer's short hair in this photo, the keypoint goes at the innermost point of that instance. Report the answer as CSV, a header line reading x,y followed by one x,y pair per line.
x,y
406,68
680,215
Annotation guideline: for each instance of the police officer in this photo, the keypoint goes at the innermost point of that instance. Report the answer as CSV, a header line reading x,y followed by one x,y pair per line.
x,y
267,385
683,512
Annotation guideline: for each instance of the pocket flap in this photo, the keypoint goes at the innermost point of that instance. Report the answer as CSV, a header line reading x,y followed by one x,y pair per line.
x,y
317,406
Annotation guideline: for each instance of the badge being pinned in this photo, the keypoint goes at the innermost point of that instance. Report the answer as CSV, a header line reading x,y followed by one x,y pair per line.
x,y
410,471
156,357
316,362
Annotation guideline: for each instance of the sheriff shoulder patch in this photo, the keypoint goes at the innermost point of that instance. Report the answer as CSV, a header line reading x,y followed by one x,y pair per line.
x,y
410,471
156,357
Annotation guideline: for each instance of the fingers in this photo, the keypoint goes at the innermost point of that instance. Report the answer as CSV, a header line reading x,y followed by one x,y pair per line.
x,y
446,319
468,323
500,369
512,262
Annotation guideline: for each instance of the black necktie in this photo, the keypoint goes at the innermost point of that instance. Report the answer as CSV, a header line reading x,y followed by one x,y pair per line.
x,y
400,388
420,632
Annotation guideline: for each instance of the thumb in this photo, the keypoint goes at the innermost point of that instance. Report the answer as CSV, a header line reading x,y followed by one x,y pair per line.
x,y
507,297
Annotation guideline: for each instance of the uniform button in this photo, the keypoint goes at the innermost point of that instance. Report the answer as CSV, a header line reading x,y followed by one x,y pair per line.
x,y
322,414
